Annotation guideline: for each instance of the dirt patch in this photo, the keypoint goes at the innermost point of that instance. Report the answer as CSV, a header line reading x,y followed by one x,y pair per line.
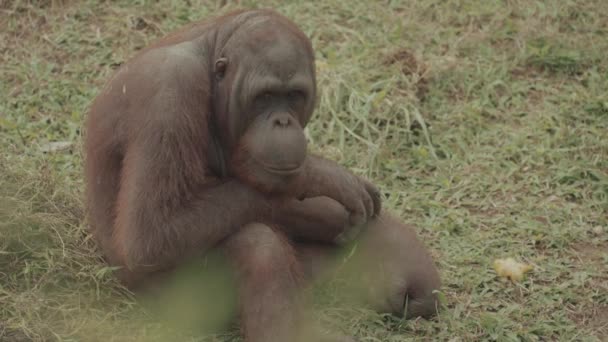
x,y
594,319
406,60
592,316
484,212
412,67
525,73
589,253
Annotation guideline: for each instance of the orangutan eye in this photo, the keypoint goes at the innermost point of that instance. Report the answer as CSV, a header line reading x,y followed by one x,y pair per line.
x,y
294,95
264,98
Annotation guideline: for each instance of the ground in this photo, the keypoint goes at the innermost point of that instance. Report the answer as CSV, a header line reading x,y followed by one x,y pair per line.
x,y
485,124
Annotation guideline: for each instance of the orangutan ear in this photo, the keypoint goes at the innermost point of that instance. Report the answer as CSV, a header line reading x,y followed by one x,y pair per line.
x,y
220,67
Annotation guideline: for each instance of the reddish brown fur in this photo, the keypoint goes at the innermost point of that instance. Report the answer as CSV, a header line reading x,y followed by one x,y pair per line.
x,y
160,191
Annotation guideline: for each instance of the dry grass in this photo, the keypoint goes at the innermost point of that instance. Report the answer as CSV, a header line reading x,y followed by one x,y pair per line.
x,y
485,123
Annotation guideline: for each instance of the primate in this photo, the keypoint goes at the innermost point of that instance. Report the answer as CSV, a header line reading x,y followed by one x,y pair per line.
x,y
197,144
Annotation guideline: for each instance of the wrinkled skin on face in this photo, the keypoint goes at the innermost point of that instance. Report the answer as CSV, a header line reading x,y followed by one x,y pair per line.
x,y
265,96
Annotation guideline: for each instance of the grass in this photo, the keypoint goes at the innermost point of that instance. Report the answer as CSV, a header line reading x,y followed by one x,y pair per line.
x,y
484,123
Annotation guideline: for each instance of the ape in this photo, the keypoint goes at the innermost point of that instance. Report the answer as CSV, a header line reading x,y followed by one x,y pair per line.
x,y
197,143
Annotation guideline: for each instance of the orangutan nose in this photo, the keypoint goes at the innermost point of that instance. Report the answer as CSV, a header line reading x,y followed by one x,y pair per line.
x,y
282,120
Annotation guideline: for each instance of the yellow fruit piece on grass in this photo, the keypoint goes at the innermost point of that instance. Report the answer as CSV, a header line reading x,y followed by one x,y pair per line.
x,y
511,269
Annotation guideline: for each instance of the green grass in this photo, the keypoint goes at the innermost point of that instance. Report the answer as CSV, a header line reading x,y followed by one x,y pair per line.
x,y
485,123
